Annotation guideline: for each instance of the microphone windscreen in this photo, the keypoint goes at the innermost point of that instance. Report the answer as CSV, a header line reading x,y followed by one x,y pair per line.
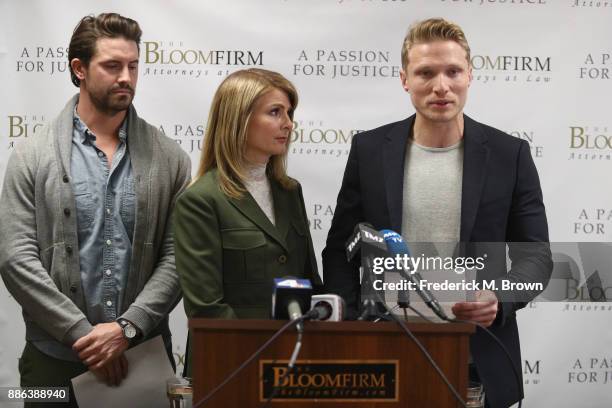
x,y
290,289
395,243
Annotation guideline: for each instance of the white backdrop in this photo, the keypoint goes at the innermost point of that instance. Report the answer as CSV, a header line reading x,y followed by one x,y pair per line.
x,y
542,73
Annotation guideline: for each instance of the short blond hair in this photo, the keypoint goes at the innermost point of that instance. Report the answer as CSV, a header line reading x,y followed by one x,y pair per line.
x,y
434,29
228,122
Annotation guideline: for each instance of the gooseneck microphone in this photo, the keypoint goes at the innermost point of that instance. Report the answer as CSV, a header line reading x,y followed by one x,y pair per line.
x,y
397,246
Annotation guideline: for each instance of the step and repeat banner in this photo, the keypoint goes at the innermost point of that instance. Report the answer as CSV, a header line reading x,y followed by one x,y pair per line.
x,y
542,73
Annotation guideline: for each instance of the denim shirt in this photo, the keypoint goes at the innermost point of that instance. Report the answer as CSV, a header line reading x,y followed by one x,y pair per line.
x,y
42,264
105,206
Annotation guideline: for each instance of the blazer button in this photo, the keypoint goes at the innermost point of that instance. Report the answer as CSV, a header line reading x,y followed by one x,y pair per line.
x,y
65,178
67,211
68,249
282,259
73,288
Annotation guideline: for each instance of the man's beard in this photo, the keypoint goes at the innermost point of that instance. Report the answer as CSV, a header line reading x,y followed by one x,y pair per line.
x,y
111,103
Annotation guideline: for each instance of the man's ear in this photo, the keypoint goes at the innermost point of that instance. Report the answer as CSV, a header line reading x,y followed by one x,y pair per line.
x,y
78,68
404,80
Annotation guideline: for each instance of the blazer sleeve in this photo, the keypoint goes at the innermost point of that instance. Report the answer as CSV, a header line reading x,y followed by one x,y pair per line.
x,y
310,265
340,276
199,257
527,235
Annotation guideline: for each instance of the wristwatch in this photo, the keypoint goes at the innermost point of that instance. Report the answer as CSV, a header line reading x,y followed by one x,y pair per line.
x,y
129,330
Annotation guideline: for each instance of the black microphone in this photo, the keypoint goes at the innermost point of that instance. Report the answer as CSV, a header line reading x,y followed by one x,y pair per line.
x,y
290,297
397,246
365,239
370,244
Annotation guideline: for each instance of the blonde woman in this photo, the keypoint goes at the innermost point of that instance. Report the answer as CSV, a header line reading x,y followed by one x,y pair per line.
x,y
242,222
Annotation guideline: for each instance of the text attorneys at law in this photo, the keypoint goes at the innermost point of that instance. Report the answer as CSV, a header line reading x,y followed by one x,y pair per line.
x,y
440,176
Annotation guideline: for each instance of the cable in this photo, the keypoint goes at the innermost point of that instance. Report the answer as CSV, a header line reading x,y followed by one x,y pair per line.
x,y
427,356
437,309
503,347
369,309
378,319
250,359
275,389
420,346
491,334
311,314
290,366
421,315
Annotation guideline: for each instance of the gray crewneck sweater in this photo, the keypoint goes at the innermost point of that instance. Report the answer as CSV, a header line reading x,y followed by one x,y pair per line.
x,y
432,193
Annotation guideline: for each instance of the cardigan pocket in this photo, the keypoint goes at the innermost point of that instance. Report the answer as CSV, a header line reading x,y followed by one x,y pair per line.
x,y
243,255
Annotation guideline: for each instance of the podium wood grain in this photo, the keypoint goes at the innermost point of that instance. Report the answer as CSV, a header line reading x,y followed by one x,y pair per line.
x,y
220,346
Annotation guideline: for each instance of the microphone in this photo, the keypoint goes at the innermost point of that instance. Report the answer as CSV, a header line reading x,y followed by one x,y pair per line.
x,y
370,244
365,239
397,246
290,297
328,307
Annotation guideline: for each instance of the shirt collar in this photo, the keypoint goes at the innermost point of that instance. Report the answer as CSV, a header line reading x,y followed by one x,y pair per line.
x,y
85,134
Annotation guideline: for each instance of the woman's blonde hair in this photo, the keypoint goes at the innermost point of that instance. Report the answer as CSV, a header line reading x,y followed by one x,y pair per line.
x,y
228,122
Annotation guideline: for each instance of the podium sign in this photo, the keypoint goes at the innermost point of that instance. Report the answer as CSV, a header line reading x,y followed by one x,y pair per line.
x,y
341,364
330,380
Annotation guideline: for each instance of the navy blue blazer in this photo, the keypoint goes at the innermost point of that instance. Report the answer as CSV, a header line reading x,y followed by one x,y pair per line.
x,y
501,201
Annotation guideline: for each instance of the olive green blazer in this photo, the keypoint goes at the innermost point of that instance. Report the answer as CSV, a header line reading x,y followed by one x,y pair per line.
x,y
228,251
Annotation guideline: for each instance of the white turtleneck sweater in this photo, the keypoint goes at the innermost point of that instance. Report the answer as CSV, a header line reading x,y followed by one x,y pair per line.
x,y
258,185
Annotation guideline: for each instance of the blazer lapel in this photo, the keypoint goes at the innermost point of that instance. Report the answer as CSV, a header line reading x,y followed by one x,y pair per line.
x,y
476,154
394,153
250,209
282,211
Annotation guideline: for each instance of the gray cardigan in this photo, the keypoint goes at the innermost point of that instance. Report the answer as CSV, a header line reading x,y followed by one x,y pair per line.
x,y
39,255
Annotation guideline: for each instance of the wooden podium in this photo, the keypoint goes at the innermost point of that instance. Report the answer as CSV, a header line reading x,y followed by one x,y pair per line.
x,y
360,360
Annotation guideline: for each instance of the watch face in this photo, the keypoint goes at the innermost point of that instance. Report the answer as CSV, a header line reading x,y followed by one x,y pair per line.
x,y
129,331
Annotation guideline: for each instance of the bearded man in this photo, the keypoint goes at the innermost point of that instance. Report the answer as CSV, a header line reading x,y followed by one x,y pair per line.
x,y
85,210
